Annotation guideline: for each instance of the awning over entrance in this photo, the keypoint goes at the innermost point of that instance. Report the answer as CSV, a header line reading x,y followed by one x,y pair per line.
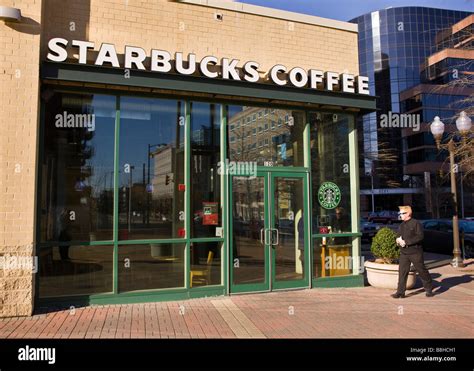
x,y
153,82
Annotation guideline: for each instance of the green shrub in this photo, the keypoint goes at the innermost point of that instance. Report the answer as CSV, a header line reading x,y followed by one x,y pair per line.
x,y
384,246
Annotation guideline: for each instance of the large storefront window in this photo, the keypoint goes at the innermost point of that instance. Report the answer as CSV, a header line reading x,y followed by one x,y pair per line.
x,y
206,267
332,256
330,172
85,232
205,180
271,137
151,168
331,186
151,267
75,270
77,167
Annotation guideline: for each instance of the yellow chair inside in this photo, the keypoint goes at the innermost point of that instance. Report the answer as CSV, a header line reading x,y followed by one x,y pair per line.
x,y
202,275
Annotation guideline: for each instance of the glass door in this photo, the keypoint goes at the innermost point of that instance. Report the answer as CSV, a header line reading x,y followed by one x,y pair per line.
x,y
289,230
249,234
269,232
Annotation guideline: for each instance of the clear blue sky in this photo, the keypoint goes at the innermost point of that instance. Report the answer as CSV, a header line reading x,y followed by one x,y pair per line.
x,y
345,10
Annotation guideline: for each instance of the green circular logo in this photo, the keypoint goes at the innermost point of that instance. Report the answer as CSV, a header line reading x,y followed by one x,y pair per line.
x,y
329,195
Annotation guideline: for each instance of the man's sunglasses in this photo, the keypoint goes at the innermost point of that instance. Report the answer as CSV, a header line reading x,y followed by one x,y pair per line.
x,y
402,213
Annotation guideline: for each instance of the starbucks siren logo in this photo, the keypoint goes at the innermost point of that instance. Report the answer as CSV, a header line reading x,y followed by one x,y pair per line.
x,y
329,195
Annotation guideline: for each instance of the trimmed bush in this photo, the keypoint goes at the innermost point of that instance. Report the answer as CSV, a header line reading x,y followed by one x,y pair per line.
x,y
384,246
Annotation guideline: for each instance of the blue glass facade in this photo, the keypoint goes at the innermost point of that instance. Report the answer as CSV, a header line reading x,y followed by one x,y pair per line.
x,y
394,44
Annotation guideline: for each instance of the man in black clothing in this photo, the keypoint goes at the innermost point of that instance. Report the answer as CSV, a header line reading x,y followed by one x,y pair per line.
x,y
411,251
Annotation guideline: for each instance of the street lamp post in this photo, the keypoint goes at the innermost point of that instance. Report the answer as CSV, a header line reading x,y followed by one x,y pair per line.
x,y
463,124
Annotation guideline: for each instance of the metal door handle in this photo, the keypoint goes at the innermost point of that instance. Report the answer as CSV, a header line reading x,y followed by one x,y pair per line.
x,y
262,231
277,237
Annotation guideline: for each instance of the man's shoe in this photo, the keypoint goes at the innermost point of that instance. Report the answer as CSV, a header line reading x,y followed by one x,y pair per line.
x,y
397,295
429,294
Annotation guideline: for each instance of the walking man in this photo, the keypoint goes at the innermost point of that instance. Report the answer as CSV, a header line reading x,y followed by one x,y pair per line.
x,y
410,240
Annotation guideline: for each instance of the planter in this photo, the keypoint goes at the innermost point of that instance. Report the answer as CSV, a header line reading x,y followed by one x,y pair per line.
x,y
385,276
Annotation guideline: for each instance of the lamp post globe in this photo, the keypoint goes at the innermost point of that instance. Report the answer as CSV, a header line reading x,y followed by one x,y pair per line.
x,y
437,129
464,123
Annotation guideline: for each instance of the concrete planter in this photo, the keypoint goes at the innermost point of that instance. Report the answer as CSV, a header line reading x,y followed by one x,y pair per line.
x,y
385,276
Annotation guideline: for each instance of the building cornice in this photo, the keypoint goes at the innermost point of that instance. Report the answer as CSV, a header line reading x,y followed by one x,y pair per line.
x,y
274,13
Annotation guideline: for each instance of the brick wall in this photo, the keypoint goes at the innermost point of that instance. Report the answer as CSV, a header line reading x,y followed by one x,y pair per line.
x,y
19,83
161,24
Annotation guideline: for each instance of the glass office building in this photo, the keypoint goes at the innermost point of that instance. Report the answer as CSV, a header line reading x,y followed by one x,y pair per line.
x,y
394,44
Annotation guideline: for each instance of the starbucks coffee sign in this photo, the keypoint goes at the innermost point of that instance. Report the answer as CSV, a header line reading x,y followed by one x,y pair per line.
x,y
209,66
329,195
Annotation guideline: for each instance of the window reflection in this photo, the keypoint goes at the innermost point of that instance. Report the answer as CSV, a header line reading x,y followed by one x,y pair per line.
x,y
248,220
151,203
205,180
332,257
77,167
330,163
268,136
151,266
289,221
75,270
206,266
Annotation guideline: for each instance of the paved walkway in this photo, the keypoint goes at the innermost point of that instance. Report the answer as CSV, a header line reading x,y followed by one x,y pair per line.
x,y
319,313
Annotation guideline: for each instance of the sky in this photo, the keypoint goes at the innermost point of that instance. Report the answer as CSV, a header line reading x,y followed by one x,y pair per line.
x,y
345,10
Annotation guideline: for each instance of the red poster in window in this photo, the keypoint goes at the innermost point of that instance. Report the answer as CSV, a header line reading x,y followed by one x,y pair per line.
x,y
210,213
323,230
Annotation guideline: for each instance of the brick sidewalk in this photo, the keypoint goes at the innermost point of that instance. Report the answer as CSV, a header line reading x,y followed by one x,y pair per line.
x,y
318,313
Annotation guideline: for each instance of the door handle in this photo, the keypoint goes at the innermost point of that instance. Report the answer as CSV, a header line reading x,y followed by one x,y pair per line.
x,y
262,232
277,237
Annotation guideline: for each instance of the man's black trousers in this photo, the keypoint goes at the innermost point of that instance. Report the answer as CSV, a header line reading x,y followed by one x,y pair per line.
x,y
405,261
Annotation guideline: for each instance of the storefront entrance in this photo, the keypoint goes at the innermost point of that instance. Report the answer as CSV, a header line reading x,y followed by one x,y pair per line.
x,y
269,231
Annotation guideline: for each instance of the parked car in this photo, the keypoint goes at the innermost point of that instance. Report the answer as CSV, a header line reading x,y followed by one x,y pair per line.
x,y
385,217
368,230
439,236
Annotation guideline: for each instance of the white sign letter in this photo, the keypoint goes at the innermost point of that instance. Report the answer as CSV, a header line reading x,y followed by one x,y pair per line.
x,y
54,46
191,64
83,46
347,83
332,79
298,77
107,53
229,69
160,61
363,85
316,78
136,56
251,71
204,69
274,74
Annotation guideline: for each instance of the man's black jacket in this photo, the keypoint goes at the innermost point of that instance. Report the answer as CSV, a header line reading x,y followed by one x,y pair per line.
x,y
412,233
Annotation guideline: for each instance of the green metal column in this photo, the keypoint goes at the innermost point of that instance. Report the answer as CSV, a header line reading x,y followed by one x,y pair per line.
x,y
116,194
355,194
187,191
225,200
309,216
